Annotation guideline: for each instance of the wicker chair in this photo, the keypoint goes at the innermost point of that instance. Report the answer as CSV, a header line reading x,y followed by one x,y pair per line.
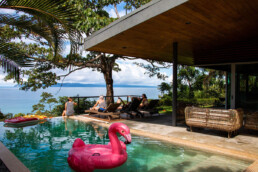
x,y
226,120
251,121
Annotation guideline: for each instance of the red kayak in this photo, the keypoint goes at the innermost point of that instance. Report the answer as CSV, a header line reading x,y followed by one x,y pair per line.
x,y
21,121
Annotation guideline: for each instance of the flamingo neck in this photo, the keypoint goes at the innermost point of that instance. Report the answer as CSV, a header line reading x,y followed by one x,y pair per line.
x,y
115,143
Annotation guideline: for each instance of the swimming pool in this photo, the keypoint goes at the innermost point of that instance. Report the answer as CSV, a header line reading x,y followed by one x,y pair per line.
x,y
44,147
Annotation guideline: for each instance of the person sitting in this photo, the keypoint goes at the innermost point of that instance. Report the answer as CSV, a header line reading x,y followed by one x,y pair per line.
x,y
101,103
69,107
120,101
144,101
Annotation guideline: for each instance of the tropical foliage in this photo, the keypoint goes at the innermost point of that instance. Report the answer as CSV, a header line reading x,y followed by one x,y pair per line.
x,y
196,85
46,99
5,116
48,22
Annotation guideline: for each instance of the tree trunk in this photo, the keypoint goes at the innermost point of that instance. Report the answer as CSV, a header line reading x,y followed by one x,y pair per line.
x,y
106,69
109,86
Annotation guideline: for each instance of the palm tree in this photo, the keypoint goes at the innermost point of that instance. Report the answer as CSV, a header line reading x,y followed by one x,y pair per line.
x,y
48,22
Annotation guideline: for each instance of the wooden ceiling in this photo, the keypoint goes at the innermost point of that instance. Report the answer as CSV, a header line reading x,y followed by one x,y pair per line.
x,y
207,32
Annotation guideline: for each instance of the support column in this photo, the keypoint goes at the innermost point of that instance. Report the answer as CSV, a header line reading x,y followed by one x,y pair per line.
x,y
174,103
233,86
226,91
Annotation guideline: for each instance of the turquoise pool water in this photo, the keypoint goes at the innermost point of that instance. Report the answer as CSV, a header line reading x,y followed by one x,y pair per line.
x,y
44,147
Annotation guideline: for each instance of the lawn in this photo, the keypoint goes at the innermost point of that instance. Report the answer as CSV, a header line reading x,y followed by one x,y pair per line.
x,y
165,109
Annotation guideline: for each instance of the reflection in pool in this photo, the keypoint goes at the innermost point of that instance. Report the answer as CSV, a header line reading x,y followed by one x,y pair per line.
x,y
44,147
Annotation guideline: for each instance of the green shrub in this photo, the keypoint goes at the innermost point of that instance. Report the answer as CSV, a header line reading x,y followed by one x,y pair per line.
x,y
218,103
19,114
207,101
84,104
187,100
59,108
166,100
1,115
80,108
8,115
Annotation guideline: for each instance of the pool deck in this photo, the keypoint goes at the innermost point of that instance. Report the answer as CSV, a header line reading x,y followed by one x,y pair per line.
x,y
243,146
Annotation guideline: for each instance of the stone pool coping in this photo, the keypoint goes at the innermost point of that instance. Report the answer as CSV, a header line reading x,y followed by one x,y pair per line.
x,y
178,141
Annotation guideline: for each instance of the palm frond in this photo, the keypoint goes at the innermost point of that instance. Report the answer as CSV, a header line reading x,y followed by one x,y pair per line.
x,y
54,14
13,53
51,20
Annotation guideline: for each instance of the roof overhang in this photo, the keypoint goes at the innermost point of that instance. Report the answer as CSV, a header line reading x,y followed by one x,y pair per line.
x,y
207,32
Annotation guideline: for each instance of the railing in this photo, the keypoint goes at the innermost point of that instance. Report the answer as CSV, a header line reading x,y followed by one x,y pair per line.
x,y
85,98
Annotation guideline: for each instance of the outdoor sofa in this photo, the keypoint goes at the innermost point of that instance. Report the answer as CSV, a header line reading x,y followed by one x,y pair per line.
x,y
219,119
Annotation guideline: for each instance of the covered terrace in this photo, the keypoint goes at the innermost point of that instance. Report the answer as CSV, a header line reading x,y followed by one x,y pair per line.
x,y
219,34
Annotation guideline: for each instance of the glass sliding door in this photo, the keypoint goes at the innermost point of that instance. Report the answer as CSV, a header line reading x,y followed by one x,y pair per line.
x,y
247,86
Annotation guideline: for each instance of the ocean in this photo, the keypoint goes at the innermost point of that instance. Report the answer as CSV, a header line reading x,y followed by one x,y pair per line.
x,y
16,101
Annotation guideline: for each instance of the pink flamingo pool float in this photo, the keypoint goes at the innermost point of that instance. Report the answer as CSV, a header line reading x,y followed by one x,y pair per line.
x,y
86,158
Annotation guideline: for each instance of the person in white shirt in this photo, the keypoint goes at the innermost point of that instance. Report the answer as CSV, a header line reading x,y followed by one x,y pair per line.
x,y
101,103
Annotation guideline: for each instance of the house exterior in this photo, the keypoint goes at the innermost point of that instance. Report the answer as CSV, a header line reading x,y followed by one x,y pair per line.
x,y
218,34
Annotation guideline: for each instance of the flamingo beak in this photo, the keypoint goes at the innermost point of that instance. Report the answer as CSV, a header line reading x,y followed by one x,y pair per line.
x,y
128,138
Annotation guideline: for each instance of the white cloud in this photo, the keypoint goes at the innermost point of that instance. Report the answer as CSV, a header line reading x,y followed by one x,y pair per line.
x,y
130,74
85,76
136,74
169,79
8,11
23,39
112,13
66,49
5,83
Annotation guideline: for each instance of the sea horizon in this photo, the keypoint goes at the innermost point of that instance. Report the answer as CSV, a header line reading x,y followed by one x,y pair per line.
x,y
16,101
85,85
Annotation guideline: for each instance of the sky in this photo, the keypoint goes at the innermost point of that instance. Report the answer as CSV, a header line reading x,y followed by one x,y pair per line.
x,y
130,74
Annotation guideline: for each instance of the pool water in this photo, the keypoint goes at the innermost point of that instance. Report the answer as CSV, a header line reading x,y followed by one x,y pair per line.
x,y
44,147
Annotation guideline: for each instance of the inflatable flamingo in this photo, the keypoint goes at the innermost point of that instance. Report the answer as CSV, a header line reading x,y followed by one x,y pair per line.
x,y
86,158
